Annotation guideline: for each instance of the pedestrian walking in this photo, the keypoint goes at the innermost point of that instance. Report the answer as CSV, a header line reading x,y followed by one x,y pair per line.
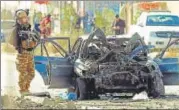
x,y
78,24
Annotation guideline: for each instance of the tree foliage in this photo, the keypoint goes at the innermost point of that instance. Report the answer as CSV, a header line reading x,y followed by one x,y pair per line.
x,y
136,16
69,18
68,21
105,19
123,12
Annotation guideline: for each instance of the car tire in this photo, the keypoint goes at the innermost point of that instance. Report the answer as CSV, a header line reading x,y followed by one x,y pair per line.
x,y
157,86
92,92
81,89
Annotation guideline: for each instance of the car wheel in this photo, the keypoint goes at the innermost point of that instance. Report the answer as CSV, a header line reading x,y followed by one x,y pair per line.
x,y
92,92
157,87
81,89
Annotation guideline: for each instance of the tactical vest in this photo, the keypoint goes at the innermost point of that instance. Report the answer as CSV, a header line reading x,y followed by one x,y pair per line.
x,y
25,41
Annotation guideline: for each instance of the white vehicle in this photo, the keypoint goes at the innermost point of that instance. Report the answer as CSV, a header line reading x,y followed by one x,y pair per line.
x,y
156,27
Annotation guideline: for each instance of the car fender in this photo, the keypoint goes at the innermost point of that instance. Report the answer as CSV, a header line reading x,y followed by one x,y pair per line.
x,y
154,66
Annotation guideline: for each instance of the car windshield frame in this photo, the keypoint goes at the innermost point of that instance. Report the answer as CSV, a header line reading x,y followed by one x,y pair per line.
x,y
161,20
172,43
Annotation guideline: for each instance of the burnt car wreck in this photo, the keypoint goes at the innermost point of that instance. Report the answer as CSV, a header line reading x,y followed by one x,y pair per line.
x,y
113,64
99,64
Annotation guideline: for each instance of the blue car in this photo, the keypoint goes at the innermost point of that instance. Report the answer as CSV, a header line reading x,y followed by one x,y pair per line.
x,y
168,61
102,64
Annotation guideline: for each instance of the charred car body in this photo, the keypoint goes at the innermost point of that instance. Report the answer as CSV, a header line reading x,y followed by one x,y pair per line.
x,y
116,65
100,64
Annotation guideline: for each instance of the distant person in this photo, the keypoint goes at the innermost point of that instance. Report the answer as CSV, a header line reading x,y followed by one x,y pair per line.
x,y
45,26
93,23
85,22
118,25
78,23
37,20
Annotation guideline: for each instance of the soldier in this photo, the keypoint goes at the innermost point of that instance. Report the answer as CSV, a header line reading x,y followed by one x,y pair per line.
x,y
24,45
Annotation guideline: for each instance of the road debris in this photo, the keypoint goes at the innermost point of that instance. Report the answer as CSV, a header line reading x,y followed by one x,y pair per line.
x,y
141,96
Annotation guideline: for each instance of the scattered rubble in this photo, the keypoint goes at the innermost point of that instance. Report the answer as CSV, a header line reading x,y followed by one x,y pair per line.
x,y
141,96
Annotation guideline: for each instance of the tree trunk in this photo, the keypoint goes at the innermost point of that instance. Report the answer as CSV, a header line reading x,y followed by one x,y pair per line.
x,y
128,16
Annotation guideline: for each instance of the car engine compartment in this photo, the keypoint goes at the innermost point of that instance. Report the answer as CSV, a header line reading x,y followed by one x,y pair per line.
x,y
115,63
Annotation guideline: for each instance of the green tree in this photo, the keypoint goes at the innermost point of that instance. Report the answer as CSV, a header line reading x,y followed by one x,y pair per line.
x,y
104,20
69,18
123,12
99,20
136,16
68,21
109,16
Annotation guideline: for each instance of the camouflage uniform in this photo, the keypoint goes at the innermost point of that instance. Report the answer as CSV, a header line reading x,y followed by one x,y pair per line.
x,y
25,67
24,63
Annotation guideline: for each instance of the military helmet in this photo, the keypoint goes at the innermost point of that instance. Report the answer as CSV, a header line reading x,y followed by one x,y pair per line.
x,y
21,14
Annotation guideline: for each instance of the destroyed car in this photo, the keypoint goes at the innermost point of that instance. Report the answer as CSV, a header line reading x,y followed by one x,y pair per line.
x,y
100,64
107,65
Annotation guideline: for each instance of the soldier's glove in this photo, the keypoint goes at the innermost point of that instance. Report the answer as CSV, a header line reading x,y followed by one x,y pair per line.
x,y
36,35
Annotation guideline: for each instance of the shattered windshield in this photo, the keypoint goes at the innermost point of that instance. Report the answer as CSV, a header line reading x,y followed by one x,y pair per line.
x,y
95,39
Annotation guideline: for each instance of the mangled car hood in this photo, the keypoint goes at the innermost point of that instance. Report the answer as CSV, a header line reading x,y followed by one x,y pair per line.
x,y
170,43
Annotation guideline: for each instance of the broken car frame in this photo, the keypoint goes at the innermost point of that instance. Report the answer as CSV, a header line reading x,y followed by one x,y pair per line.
x,y
103,64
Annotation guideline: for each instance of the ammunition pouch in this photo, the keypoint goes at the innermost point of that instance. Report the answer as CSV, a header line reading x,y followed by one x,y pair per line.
x,y
28,44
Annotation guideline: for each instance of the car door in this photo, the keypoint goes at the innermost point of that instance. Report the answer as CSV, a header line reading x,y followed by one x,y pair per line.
x,y
53,63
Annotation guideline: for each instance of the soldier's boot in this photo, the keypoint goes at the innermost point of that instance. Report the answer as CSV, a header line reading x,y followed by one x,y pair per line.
x,y
28,81
82,88
25,86
25,93
23,89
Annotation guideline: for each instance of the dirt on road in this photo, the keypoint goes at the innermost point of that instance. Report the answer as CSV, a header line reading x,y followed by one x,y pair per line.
x,y
168,102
